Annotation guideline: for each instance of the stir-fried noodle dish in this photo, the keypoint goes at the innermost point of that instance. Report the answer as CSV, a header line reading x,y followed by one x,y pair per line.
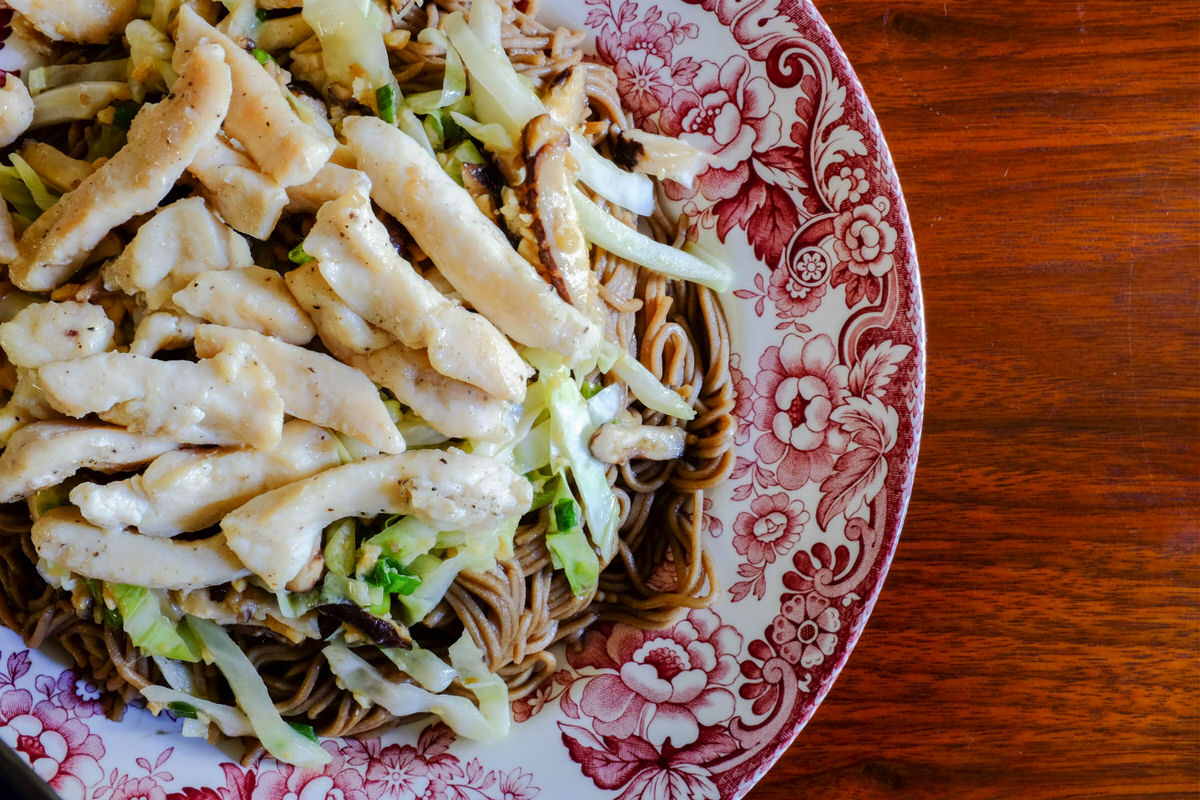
x,y
351,360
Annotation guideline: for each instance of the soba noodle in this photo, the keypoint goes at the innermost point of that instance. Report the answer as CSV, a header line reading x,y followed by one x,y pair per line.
x,y
516,611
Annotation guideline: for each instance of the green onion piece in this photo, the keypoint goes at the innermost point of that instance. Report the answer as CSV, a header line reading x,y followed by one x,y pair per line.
x,y
182,710
260,14
261,56
385,102
123,113
305,730
393,577
564,514
297,255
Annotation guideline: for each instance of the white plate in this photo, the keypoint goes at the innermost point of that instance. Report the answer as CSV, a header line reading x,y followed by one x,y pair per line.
x,y
829,355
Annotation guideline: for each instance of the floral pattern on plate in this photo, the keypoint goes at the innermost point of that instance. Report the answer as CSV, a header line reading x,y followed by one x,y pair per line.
x,y
828,368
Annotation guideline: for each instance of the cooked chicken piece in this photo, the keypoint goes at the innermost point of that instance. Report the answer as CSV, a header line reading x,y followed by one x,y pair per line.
x,y
343,332
162,141
60,172
254,298
562,248
8,239
330,183
25,405
62,537
276,533
356,256
284,147
46,332
83,21
162,330
16,108
565,99
43,454
188,490
314,386
452,408
178,243
617,444
468,249
229,398
248,200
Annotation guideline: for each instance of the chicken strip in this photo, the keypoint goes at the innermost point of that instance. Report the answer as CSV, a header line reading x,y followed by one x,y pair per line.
x,y
229,398
83,21
330,183
8,239
276,533
162,330
356,256
254,298
162,141
343,332
44,332
314,386
248,200
452,408
44,454
16,108
468,249
281,144
188,490
62,537
178,243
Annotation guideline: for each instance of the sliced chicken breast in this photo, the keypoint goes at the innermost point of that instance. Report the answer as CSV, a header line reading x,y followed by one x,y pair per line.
x,y
83,21
61,536
343,332
163,139
44,332
254,298
188,490
468,249
331,182
43,454
276,533
248,200
452,408
281,144
356,257
314,386
229,398
178,243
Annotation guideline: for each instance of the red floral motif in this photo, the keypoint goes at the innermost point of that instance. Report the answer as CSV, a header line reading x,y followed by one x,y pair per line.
x,y
397,772
865,244
743,407
517,785
145,788
60,748
798,386
797,285
334,780
80,696
726,111
666,683
805,632
644,81
771,528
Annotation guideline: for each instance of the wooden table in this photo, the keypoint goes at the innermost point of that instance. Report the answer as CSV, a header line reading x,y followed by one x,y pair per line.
x,y
1037,636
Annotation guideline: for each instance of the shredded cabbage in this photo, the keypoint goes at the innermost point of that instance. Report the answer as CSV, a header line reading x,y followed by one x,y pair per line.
x,y
76,101
351,35
491,719
627,189
571,429
279,738
230,720
148,627
648,389
55,75
454,82
606,231
422,665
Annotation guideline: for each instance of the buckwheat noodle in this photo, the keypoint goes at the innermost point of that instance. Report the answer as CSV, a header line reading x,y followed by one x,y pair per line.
x,y
517,610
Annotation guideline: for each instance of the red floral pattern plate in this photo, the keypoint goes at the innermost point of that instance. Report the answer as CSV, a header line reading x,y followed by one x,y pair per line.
x,y
829,368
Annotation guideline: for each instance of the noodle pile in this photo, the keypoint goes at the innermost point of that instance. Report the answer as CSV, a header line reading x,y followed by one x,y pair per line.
x,y
517,610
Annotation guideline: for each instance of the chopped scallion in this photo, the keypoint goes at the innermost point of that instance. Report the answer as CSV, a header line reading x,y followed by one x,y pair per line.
x,y
385,102
297,255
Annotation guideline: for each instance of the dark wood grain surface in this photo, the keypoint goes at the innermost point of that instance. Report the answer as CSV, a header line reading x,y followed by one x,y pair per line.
x,y
1038,634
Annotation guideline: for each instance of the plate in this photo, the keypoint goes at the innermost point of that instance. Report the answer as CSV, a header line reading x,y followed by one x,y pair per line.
x,y
828,362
